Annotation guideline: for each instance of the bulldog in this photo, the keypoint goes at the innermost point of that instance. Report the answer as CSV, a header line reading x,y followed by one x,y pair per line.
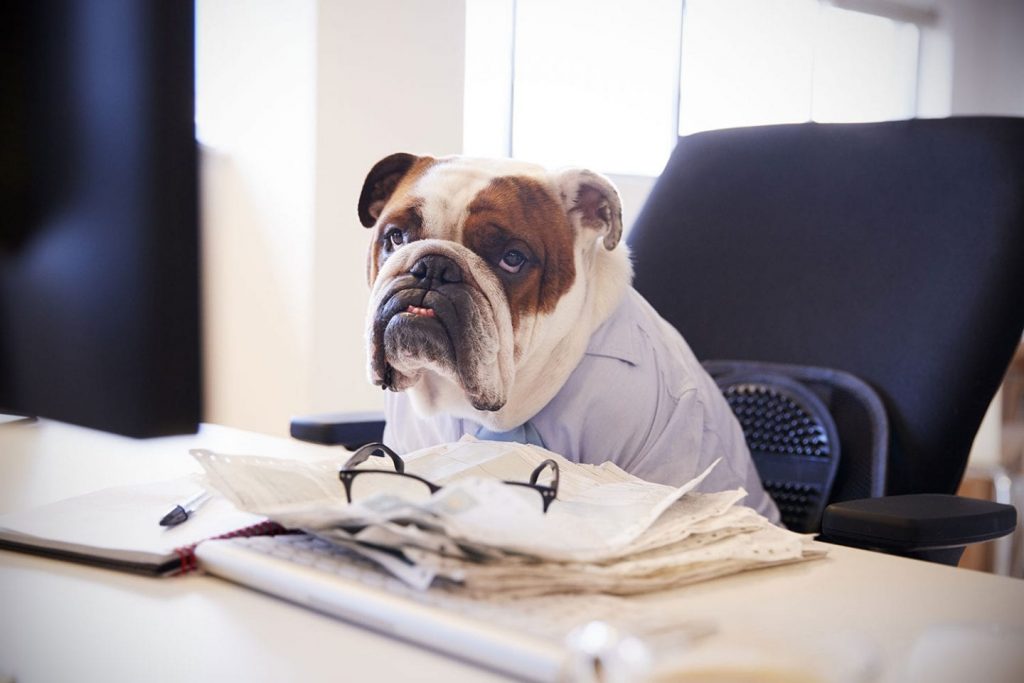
x,y
501,306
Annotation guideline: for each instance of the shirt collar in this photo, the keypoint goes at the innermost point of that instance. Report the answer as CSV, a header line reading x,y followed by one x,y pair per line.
x,y
618,337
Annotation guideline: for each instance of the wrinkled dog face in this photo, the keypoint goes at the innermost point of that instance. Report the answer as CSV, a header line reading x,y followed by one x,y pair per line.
x,y
469,262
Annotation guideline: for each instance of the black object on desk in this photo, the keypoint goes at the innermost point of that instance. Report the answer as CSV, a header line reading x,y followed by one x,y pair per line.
x,y
350,430
180,513
99,235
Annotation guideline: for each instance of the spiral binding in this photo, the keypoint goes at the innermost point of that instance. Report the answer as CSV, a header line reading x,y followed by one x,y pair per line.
x,y
187,553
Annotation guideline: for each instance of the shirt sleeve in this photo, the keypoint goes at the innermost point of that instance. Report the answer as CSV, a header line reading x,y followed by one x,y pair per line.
x,y
701,432
659,428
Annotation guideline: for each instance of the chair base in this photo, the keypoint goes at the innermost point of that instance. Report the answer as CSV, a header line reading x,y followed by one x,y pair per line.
x,y
947,556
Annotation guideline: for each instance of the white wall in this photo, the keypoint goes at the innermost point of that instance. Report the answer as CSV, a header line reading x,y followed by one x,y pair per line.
x,y
295,102
390,80
988,55
256,95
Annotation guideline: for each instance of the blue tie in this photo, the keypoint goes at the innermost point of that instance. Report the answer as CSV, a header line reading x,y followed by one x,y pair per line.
x,y
524,433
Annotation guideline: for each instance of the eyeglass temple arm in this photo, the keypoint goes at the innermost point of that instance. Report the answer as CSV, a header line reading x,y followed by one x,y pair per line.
x,y
540,468
377,449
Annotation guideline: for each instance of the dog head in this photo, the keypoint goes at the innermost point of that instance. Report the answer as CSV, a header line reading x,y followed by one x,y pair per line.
x,y
487,278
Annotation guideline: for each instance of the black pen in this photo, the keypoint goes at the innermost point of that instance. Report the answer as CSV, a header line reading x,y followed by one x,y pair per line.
x,y
182,511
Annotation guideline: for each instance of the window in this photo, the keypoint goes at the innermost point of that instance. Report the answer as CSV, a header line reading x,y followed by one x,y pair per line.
x,y
609,84
752,62
593,83
865,67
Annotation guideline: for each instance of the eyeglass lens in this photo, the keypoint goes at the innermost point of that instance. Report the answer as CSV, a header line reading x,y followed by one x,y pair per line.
x,y
368,483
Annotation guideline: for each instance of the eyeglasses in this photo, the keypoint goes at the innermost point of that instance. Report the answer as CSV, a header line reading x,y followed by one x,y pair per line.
x,y
360,484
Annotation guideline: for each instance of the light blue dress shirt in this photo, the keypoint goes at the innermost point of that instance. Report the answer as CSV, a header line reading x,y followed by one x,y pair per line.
x,y
638,398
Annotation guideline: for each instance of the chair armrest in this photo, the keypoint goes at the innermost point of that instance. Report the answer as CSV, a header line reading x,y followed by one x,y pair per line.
x,y
350,430
918,525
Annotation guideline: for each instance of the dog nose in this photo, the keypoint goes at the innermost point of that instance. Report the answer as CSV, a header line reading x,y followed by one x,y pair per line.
x,y
439,269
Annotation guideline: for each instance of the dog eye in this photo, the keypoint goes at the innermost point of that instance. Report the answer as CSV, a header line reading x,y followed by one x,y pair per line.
x,y
512,261
394,238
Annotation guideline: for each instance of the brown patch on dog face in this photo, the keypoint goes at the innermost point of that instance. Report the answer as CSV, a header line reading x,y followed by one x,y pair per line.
x,y
401,212
518,214
396,228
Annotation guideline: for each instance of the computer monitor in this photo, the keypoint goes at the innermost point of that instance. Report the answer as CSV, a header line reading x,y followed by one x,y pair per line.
x,y
99,247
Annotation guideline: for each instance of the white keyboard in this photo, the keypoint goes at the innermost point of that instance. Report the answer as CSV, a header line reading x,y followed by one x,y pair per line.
x,y
546,617
523,637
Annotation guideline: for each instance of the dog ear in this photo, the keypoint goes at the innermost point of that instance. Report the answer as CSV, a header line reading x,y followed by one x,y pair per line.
x,y
592,202
380,183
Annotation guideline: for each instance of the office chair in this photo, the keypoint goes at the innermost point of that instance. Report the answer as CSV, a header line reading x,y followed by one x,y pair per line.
x,y
892,253
857,291
816,435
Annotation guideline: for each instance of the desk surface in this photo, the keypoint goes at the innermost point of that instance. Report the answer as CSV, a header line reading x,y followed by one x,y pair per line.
x,y
62,621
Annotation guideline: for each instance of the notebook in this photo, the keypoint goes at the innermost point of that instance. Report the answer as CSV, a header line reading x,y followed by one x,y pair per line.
x,y
119,527
528,638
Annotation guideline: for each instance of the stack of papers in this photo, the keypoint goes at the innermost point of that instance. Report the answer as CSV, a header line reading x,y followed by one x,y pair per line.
x,y
607,532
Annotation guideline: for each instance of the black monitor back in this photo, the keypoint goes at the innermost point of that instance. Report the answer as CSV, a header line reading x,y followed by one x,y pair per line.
x,y
99,251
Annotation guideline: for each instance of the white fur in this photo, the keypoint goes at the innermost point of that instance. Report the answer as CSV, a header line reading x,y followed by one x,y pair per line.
x,y
448,188
530,367
494,361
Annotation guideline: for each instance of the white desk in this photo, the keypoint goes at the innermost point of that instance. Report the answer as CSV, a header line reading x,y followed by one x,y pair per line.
x,y
68,622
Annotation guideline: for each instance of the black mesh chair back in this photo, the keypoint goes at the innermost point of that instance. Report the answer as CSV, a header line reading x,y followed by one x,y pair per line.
x,y
789,419
891,251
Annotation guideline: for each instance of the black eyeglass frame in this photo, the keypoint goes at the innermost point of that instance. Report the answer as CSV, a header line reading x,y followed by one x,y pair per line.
x,y
348,473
